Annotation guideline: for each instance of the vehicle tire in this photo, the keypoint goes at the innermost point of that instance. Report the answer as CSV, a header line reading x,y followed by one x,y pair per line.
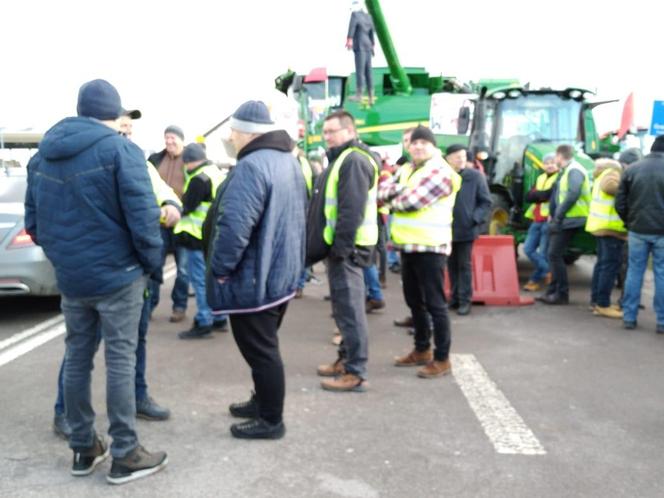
x,y
499,215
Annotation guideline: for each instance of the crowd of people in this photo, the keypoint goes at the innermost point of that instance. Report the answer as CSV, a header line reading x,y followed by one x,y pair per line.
x,y
243,240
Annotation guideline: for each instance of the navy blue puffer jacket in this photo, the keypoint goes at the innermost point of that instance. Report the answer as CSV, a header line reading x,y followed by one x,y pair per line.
x,y
258,244
91,207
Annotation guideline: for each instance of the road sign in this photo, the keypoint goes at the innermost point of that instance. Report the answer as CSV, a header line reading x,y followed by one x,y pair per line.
x,y
657,123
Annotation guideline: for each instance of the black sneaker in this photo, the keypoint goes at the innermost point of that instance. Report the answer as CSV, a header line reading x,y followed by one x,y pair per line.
x,y
220,325
61,426
148,409
197,332
258,428
138,463
245,409
87,459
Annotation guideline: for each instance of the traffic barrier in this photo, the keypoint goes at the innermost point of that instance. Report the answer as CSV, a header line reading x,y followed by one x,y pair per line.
x,y
495,277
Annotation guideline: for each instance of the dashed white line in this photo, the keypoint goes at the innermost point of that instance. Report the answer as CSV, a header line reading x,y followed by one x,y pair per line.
x,y
504,427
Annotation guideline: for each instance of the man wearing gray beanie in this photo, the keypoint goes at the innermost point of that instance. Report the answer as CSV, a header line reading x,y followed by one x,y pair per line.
x,y
256,258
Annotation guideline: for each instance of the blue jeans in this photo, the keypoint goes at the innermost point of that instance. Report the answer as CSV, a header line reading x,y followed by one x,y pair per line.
x,y
536,247
180,292
639,247
392,255
303,278
605,272
141,384
197,277
117,315
372,283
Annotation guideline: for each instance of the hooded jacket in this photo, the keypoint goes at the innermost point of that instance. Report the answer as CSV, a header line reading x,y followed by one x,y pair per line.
x,y
257,244
90,205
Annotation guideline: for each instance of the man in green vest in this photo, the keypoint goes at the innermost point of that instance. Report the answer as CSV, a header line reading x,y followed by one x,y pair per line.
x,y
569,205
201,180
610,234
342,227
422,200
537,240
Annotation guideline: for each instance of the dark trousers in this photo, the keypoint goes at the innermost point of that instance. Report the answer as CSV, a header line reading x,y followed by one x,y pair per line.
x,y
363,72
607,268
460,270
558,242
256,336
422,276
381,249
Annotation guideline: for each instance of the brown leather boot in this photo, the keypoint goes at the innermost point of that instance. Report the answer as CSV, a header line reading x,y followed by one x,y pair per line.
x,y
435,368
531,286
177,316
331,369
344,383
414,358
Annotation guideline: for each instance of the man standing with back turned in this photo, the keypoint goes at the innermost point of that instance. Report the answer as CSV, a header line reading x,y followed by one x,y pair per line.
x,y
90,206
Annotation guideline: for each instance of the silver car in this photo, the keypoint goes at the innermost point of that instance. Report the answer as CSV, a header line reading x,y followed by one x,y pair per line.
x,y
24,268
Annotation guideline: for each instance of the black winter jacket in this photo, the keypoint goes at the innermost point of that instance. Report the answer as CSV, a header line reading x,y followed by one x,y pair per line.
x,y
471,206
640,197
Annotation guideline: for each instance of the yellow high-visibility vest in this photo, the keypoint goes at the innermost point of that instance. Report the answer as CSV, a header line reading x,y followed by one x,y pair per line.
x,y
307,172
581,207
431,226
367,233
543,182
603,214
192,223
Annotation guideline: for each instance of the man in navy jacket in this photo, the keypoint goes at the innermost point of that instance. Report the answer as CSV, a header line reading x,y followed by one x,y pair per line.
x,y
256,258
90,205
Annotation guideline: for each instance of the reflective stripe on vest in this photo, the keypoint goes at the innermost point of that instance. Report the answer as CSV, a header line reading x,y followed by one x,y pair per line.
x,y
192,223
308,174
544,182
367,233
431,226
603,214
581,207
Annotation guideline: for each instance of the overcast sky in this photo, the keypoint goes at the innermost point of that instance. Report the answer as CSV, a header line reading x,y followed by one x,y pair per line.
x,y
191,63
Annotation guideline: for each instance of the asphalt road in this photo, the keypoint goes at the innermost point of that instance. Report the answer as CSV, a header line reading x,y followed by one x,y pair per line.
x,y
586,391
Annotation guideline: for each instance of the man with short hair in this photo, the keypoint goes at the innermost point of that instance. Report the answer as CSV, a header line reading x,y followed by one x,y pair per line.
x,y
640,204
342,227
170,165
471,209
569,206
85,170
422,200
257,255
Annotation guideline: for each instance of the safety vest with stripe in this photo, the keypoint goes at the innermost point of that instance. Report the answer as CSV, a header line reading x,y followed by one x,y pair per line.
x,y
307,172
367,233
581,207
603,214
431,226
543,182
192,223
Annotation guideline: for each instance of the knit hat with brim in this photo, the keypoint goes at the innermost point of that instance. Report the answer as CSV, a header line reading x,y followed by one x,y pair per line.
x,y
252,117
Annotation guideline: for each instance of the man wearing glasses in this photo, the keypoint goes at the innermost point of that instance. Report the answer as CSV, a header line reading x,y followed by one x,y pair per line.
x,y
342,227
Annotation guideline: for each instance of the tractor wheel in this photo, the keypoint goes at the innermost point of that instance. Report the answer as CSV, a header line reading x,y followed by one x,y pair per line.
x,y
500,214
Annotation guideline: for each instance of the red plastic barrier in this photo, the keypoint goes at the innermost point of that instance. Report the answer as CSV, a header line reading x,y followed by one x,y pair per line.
x,y
495,278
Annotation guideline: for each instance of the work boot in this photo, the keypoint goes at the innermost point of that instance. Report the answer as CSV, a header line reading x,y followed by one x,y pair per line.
x,y
374,304
148,409
331,369
197,332
138,463
245,409
531,286
414,358
258,428
345,383
608,312
87,459
61,426
464,309
404,322
177,316
435,368
553,299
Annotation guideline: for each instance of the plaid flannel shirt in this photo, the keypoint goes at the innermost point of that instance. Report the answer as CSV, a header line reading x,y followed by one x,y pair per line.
x,y
401,198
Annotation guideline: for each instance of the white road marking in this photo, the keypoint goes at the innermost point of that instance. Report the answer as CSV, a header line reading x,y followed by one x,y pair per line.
x,y
23,342
504,427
